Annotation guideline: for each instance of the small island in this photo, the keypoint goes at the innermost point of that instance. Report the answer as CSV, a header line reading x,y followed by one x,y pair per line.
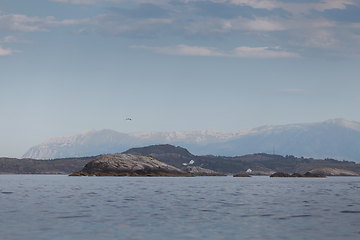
x,y
241,175
307,174
128,165
334,172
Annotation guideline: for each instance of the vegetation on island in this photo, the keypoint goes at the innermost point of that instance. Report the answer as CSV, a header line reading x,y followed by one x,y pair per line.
x,y
259,163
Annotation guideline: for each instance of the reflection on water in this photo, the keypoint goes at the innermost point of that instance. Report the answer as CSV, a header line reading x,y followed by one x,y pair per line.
x,y
61,207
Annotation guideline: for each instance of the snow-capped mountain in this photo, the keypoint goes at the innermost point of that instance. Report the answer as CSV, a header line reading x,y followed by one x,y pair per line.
x,y
335,138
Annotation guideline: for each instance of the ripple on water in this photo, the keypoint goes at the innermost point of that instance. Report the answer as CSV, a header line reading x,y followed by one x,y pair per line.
x,y
350,211
178,208
75,216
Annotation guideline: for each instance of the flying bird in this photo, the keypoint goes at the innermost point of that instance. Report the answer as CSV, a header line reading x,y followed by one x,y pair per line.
x,y
128,119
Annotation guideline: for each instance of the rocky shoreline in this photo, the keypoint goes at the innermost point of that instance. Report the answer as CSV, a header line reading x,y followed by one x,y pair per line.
x,y
133,165
241,175
199,171
333,172
297,175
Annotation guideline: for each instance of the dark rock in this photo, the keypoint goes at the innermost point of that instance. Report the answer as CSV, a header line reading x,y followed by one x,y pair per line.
x,y
280,174
309,174
128,165
241,175
297,175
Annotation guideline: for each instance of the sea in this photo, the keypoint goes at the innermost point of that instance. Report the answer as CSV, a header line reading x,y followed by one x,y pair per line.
x,y
62,207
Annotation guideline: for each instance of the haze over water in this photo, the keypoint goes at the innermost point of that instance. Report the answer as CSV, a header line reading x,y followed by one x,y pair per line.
x,y
62,207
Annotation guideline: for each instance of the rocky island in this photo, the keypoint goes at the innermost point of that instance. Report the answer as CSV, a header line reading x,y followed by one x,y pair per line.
x,y
128,165
333,172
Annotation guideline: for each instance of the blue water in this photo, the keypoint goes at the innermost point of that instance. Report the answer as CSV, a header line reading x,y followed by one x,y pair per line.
x,y
62,207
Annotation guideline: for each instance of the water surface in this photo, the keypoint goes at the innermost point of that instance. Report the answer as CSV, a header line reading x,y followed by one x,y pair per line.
x,y
62,207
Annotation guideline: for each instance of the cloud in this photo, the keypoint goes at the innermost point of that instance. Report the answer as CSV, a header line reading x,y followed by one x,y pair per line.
x,y
83,31
7,51
300,1
184,50
9,39
239,52
23,23
231,11
267,4
92,2
350,14
13,39
258,24
299,8
86,2
262,52
334,4
331,27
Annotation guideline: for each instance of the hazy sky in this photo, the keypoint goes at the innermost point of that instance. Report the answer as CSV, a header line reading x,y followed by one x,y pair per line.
x,y
67,66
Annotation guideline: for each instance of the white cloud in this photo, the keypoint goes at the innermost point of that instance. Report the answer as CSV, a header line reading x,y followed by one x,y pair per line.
x,y
92,2
7,51
222,27
83,31
239,52
259,24
184,50
305,29
262,52
86,2
23,23
268,4
9,39
13,39
331,4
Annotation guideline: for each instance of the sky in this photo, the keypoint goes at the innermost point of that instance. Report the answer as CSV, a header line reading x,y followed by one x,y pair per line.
x,y
67,66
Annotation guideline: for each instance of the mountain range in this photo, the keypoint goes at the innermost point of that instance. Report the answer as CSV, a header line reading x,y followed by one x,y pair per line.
x,y
334,138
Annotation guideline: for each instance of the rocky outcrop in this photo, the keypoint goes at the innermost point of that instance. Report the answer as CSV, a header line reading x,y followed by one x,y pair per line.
x,y
241,175
285,174
261,173
254,173
280,174
333,172
199,171
128,165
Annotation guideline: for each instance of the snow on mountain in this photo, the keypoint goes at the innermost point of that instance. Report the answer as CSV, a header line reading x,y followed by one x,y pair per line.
x,y
335,138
